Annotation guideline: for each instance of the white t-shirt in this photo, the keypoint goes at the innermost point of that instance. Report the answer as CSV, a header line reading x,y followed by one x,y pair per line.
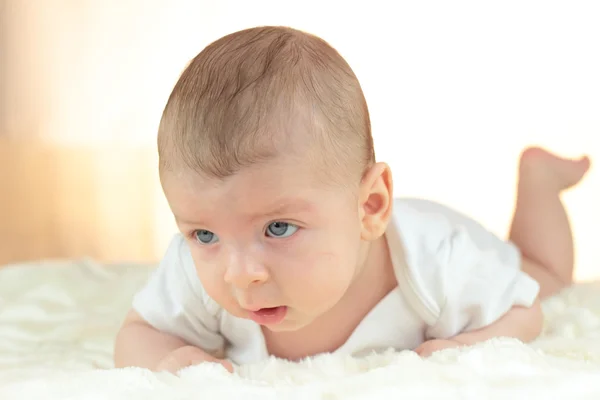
x,y
453,276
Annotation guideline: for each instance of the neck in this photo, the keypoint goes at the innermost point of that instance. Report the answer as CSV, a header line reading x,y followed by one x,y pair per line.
x,y
375,276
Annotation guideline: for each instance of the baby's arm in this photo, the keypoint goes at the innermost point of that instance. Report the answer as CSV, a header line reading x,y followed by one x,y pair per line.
x,y
521,323
140,345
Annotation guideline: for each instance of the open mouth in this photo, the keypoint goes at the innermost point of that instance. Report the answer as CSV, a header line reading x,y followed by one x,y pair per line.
x,y
269,316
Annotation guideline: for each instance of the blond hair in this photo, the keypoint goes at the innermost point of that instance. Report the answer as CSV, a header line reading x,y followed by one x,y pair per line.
x,y
251,93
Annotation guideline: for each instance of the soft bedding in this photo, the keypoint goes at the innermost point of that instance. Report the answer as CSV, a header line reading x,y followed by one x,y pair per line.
x,y
58,321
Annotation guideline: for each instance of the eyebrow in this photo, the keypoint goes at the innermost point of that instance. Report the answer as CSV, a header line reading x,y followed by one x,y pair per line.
x,y
286,207
281,207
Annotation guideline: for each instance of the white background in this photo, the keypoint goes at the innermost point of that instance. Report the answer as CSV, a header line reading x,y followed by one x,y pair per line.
x,y
457,89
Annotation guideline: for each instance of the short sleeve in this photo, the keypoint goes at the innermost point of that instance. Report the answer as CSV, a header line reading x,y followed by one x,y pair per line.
x,y
478,283
173,300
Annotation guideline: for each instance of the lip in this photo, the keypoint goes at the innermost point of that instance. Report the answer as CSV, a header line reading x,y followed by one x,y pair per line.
x,y
268,316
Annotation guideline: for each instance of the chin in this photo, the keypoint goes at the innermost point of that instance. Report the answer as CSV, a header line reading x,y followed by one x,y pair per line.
x,y
286,326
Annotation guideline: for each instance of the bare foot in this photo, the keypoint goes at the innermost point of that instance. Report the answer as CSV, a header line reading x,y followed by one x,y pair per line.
x,y
541,168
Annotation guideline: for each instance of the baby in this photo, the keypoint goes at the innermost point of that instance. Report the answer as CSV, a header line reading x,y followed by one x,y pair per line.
x,y
292,243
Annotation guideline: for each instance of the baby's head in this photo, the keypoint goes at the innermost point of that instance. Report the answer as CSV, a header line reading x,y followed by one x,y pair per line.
x,y
267,162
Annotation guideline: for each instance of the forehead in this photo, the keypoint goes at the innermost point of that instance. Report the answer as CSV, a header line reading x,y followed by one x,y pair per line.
x,y
279,183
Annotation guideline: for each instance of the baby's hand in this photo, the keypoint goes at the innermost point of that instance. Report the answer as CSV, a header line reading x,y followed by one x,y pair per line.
x,y
187,356
429,347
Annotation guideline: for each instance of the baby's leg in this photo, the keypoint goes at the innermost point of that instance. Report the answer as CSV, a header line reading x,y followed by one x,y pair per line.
x,y
540,226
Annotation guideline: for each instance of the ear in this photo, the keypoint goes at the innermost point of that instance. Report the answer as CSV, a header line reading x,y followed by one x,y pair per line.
x,y
375,201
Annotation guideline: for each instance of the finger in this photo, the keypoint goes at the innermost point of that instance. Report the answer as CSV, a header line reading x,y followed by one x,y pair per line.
x,y
177,361
425,349
225,363
170,364
420,348
228,365
200,358
423,352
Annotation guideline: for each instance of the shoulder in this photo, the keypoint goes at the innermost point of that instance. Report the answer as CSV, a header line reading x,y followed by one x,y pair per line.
x,y
430,229
417,236
442,250
421,228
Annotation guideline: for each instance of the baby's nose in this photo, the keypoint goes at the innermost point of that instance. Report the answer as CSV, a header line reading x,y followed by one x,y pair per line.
x,y
245,270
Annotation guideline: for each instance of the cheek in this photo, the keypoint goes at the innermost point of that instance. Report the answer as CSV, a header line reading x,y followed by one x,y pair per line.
x,y
320,268
320,281
211,277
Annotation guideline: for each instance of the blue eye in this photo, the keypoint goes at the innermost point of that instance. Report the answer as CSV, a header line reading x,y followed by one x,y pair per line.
x,y
281,229
205,237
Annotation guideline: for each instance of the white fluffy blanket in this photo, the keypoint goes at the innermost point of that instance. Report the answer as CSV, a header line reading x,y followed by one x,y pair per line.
x,y
57,323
